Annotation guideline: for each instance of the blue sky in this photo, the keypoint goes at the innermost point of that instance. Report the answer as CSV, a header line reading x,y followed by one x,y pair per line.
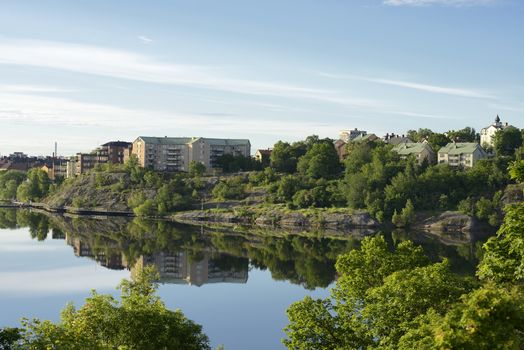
x,y
85,72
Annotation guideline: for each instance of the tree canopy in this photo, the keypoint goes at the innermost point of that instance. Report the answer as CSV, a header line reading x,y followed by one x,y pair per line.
x,y
139,321
398,300
507,140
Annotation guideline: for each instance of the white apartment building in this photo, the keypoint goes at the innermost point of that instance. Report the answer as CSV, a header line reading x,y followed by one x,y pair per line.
x,y
175,153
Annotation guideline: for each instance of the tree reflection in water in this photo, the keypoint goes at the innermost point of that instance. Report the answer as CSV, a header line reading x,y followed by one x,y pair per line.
x,y
195,255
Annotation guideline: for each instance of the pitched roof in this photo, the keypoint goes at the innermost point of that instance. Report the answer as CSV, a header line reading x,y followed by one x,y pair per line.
x,y
395,140
265,152
460,148
411,148
368,137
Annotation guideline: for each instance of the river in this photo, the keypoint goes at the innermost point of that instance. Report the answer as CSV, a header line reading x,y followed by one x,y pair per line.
x,y
235,282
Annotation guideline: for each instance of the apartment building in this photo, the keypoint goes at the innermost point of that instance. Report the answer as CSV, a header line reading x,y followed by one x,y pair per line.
x,y
56,168
162,153
461,154
175,153
207,150
111,152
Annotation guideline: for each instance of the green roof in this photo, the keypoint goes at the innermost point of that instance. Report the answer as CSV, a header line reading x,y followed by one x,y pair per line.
x,y
361,138
408,148
460,148
166,140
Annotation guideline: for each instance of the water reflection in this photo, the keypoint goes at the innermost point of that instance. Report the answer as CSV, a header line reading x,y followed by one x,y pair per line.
x,y
197,256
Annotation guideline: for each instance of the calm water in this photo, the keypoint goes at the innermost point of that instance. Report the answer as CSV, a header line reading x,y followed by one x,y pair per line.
x,y
237,284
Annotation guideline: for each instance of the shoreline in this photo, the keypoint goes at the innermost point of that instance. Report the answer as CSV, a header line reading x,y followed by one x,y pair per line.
x,y
319,221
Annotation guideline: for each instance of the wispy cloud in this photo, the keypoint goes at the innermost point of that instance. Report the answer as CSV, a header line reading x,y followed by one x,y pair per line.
x,y
27,109
446,90
15,88
462,92
121,64
144,39
452,3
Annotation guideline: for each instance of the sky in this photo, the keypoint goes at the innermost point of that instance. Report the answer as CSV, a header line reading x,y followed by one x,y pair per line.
x,y
82,73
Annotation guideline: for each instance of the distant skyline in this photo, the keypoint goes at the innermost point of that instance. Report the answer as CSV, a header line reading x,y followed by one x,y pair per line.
x,y
84,73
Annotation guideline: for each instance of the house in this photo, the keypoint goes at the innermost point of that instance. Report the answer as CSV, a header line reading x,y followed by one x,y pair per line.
x,y
175,153
366,138
263,155
394,140
348,135
461,154
487,134
421,151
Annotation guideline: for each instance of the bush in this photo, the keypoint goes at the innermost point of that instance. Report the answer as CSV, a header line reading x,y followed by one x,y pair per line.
x,y
406,216
145,209
230,188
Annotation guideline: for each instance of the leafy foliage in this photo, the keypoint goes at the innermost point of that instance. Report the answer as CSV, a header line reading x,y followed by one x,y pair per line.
x,y
507,140
35,187
503,259
9,182
139,321
196,169
320,161
379,296
491,317
230,188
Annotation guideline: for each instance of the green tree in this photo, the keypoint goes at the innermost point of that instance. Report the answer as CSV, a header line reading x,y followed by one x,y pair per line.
x,y
437,141
406,217
139,320
507,140
35,187
491,317
147,208
419,135
503,259
378,298
230,188
283,158
230,163
9,182
467,134
9,338
320,161
516,170
196,169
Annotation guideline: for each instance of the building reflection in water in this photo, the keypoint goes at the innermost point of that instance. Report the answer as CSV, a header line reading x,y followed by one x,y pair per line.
x,y
182,268
113,261
178,267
